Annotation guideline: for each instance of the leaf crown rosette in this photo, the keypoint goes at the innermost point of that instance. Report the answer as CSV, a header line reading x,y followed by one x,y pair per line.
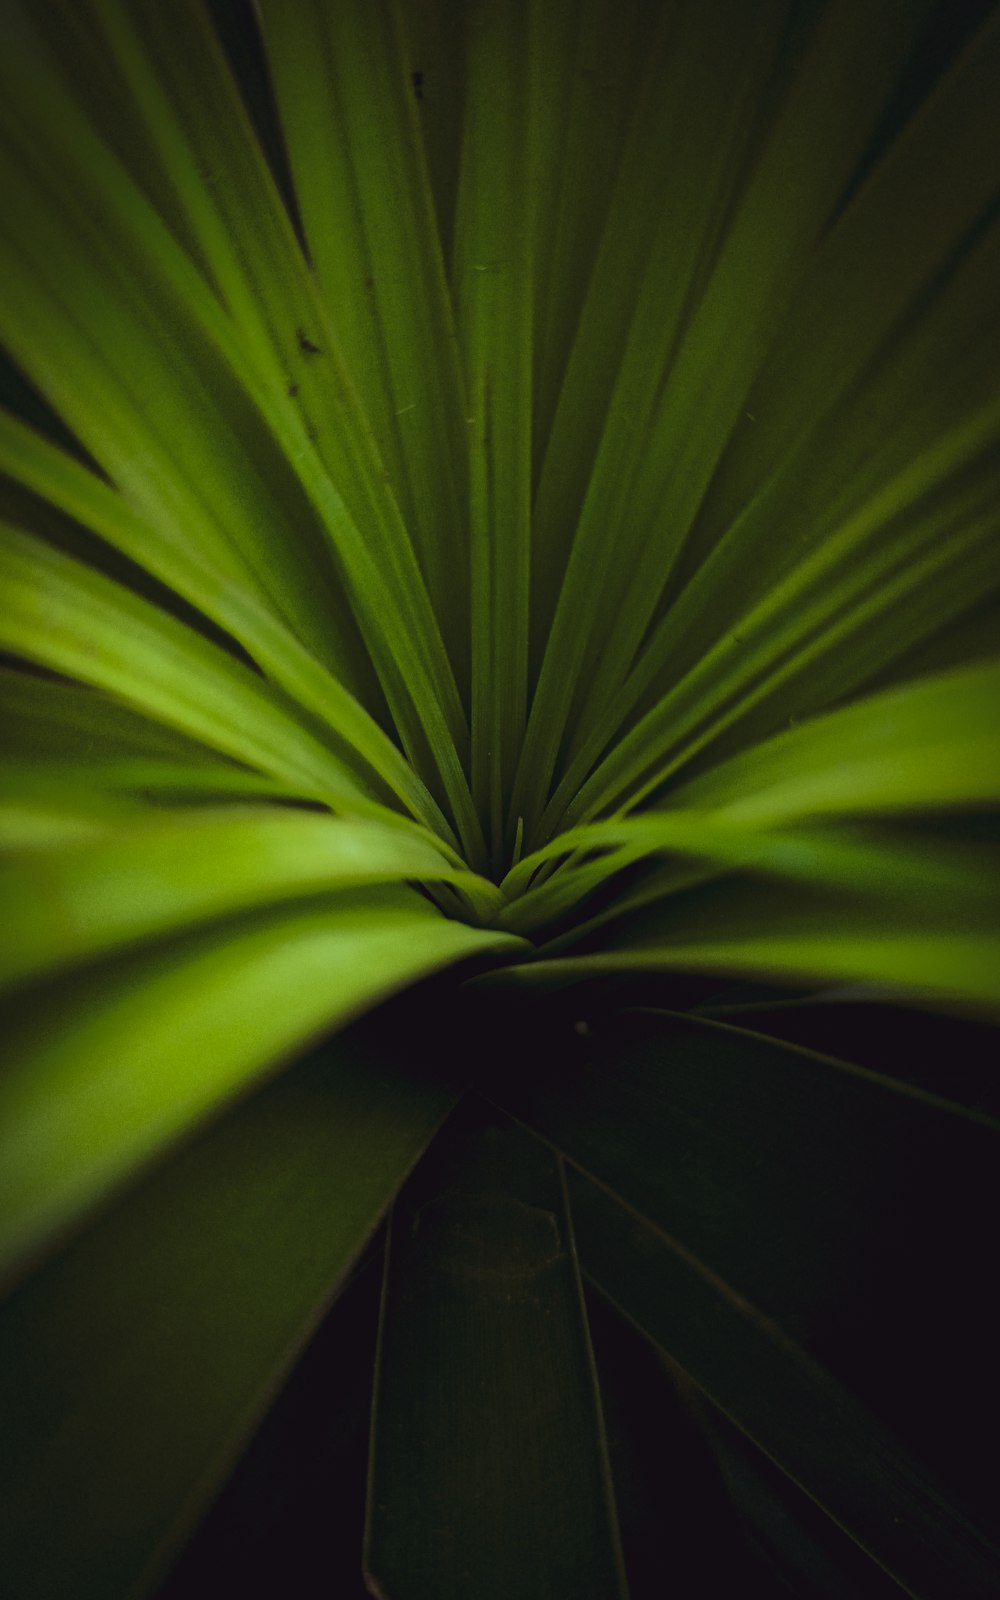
x,y
506,490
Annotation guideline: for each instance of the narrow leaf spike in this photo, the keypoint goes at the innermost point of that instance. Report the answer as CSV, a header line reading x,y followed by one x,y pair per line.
x,y
492,278
485,1388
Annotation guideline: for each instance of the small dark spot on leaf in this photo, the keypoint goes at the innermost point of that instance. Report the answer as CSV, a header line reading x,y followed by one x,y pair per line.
x,y
293,390
306,345
590,73
417,79
369,283
311,431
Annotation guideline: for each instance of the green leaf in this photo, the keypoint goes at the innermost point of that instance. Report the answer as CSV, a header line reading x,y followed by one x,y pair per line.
x,y
942,956
105,1070
725,303
115,324
918,557
556,440
924,749
846,363
893,875
917,553
488,1472
703,1129
790,187
149,1349
351,123
168,872
51,721
927,745
890,344
697,93
591,59
716,1219
804,1420
434,45
46,811
63,615
216,373
70,748
48,471
492,282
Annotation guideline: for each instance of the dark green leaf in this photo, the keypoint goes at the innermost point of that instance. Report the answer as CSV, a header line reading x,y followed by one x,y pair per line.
x,y
745,1203
133,1368
787,1403
489,1474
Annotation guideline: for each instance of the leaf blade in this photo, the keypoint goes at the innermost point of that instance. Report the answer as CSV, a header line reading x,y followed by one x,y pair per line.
x,y
751,1251
485,1230
154,1327
119,1062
